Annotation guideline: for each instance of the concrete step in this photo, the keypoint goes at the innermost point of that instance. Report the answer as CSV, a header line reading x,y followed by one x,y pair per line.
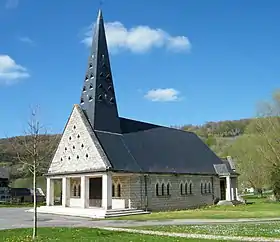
x,y
124,212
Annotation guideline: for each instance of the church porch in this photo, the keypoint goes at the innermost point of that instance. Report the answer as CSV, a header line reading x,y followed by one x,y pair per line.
x,y
96,190
96,195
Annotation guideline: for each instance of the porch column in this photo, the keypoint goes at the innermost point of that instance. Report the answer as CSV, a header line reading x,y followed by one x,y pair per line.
x,y
65,191
50,192
107,191
228,189
84,192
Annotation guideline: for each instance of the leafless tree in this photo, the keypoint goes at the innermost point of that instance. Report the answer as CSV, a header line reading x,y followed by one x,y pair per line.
x,y
34,151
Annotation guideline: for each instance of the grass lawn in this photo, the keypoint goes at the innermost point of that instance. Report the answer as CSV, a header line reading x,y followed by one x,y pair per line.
x,y
251,230
84,235
19,205
260,209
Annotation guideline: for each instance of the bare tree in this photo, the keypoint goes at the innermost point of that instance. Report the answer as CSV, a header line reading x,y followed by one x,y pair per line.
x,y
34,151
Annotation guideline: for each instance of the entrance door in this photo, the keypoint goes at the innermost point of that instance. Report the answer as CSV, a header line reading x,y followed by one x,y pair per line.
x,y
95,192
223,188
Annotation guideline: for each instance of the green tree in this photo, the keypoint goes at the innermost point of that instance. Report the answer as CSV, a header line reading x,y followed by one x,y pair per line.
x,y
250,165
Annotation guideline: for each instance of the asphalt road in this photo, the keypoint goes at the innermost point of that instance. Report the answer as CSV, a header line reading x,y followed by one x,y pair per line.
x,y
18,218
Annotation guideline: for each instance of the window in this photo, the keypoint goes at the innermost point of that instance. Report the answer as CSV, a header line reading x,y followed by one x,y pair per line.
x,y
82,145
119,190
162,189
79,190
78,136
75,191
86,155
186,188
157,189
113,190
205,188
201,188
74,147
168,189
191,188
84,89
112,100
78,157
209,187
181,189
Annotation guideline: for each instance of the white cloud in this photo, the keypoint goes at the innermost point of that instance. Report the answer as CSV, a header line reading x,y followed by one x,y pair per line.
x,y
11,3
162,95
26,40
10,71
139,39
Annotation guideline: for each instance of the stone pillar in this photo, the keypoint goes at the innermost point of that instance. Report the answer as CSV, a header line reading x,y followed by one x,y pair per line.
x,y
228,189
50,192
65,191
84,192
107,191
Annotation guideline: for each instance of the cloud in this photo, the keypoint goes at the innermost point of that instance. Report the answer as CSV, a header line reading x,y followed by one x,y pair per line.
x,y
139,39
10,71
26,40
11,4
162,95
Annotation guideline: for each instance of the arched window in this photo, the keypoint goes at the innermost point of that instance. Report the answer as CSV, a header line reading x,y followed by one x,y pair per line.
x,y
162,189
74,191
113,190
168,189
79,190
190,188
186,188
201,188
181,188
205,187
209,187
119,190
157,189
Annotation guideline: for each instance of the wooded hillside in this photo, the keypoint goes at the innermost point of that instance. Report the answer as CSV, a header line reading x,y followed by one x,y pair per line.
x,y
216,134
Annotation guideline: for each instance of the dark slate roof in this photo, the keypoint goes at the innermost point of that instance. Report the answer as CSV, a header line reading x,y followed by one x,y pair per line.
x,y
221,169
20,192
145,147
98,96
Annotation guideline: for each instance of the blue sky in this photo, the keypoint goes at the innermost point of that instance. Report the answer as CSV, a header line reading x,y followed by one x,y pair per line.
x,y
188,63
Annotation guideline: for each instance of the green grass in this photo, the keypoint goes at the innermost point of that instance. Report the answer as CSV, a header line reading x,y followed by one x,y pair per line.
x,y
19,205
84,235
251,230
260,209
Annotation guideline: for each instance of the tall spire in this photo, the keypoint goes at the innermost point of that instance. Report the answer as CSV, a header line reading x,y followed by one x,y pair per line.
x,y
98,96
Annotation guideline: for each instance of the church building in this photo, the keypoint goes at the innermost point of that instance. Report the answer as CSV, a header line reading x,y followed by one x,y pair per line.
x,y
113,166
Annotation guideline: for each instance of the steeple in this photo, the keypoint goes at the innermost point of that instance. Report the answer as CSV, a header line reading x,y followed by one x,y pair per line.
x,y
98,96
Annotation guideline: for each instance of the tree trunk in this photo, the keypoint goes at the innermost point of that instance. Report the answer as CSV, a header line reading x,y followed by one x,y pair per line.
x,y
34,235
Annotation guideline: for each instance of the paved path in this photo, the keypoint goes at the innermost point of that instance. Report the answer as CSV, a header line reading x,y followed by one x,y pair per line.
x,y
19,218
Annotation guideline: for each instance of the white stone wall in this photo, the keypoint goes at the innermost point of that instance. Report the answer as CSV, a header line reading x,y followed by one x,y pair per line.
x,y
175,200
78,149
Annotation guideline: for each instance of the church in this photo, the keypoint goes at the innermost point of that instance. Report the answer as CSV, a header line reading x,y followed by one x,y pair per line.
x,y
112,166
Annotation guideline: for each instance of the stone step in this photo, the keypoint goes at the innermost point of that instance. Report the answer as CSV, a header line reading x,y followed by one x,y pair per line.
x,y
124,212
